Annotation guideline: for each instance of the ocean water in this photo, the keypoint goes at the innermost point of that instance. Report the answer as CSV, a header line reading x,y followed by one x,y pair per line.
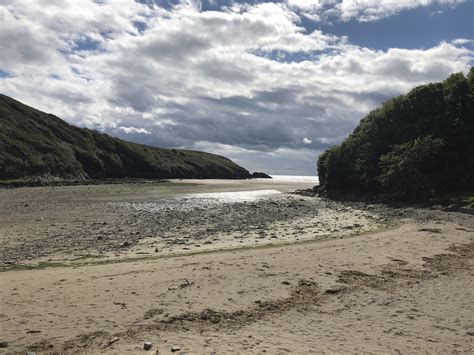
x,y
250,195
257,189
295,178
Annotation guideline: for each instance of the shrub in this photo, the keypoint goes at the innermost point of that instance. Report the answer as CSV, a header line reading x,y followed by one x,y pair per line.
x,y
411,171
412,147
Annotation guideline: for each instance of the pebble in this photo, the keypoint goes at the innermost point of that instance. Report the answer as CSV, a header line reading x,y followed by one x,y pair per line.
x,y
147,345
113,340
175,348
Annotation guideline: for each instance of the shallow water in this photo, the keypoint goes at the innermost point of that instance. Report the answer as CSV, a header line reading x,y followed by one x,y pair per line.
x,y
199,200
230,197
295,178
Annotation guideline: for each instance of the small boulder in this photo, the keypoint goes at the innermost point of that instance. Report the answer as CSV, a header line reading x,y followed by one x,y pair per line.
x,y
3,344
260,175
147,345
175,348
466,210
451,208
125,244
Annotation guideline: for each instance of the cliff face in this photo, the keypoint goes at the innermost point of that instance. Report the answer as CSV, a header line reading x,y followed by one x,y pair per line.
x,y
36,144
416,146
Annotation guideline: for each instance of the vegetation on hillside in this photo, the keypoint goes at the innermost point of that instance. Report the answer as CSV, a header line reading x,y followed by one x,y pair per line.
x,y
36,144
415,147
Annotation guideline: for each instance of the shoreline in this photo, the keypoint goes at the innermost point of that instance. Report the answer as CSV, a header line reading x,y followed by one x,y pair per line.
x,y
382,290
256,292
95,261
129,221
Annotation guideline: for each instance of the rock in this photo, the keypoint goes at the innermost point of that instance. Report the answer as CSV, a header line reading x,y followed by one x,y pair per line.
x,y
451,208
466,210
335,290
259,175
3,344
175,348
113,340
147,345
33,331
125,244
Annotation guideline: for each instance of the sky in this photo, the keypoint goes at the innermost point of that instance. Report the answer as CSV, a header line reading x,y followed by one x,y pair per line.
x,y
269,84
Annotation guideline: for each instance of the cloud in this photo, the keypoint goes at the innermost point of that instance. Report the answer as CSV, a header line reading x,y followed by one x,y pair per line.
x,y
129,130
360,10
372,10
248,81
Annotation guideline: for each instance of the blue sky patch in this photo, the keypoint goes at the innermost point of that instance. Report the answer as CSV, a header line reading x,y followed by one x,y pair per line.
x,y
290,57
423,28
4,74
85,44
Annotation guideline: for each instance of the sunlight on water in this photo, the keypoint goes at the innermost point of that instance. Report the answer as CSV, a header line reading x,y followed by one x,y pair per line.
x,y
295,178
237,196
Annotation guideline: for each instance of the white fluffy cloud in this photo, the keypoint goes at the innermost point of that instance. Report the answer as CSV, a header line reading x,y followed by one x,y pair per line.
x,y
360,10
248,81
371,10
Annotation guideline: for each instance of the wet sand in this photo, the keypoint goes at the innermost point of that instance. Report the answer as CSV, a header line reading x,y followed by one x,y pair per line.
x,y
84,223
337,277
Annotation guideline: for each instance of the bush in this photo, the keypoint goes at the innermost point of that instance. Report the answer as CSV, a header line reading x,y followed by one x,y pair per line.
x,y
92,165
412,147
411,171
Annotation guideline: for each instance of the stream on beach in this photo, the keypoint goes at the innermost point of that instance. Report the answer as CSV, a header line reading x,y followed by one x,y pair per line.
x,y
186,216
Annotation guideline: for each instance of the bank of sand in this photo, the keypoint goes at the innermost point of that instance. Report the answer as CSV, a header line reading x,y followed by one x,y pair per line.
x,y
405,288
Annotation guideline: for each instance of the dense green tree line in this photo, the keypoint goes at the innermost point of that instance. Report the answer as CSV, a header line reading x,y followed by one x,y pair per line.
x,y
416,146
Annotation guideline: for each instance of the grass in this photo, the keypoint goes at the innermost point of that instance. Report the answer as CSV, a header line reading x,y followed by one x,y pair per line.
x,y
39,148
464,199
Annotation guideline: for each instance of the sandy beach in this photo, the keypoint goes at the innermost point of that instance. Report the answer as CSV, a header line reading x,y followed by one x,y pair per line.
x,y
230,266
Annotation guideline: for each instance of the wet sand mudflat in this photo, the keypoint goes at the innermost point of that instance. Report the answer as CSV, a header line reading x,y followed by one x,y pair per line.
x,y
91,223
398,280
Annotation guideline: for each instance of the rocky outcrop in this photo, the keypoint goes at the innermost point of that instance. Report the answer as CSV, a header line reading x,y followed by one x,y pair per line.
x,y
259,175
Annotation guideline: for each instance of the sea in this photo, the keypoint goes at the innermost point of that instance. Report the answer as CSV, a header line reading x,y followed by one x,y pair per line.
x,y
296,178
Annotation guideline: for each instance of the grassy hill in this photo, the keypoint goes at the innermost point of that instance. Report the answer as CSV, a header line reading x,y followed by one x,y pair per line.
x,y
36,144
415,147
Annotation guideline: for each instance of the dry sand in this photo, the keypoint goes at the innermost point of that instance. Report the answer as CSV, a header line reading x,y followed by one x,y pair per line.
x,y
399,281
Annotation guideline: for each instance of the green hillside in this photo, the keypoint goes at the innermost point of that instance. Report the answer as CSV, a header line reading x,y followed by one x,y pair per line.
x,y
416,146
36,144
